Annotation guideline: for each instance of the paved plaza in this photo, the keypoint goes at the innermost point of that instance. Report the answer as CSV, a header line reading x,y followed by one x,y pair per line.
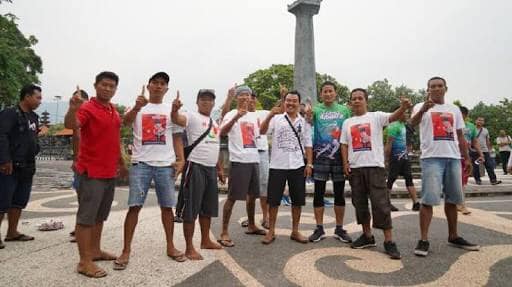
x,y
51,259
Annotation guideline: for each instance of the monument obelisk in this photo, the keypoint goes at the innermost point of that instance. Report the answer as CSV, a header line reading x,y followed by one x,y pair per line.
x,y
304,77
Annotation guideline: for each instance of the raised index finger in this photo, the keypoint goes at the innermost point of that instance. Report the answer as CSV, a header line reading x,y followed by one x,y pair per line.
x,y
143,91
177,94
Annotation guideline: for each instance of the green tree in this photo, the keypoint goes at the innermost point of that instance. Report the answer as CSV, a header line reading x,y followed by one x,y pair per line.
x,y
265,82
384,97
19,64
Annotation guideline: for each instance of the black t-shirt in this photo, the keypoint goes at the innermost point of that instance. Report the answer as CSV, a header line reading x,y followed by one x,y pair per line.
x,y
18,135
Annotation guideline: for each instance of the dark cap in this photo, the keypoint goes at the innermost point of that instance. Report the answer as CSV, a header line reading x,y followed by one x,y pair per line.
x,y
210,92
160,75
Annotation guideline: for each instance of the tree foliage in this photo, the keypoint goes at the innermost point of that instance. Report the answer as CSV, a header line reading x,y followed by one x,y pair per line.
x,y
384,97
19,64
265,82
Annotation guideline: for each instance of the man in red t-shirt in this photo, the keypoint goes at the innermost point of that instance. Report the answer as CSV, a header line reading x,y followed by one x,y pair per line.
x,y
97,166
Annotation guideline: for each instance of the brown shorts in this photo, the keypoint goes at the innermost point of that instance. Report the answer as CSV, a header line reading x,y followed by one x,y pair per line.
x,y
370,182
244,179
95,198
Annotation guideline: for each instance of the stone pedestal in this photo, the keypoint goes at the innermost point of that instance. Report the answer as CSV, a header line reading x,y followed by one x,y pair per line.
x,y
304,78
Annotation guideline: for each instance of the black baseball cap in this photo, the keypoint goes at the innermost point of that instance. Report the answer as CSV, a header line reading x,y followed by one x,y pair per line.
x,y
160,75
210,92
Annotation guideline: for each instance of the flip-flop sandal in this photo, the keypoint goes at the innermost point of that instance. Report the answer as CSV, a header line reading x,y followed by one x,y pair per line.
x,y
256,232
21,237
120,265
101,258
303,241
179,257
97,274
265,224
267,242
226,242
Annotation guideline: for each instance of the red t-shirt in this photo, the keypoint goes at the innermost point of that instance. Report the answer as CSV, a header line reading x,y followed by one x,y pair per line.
x,y
99,151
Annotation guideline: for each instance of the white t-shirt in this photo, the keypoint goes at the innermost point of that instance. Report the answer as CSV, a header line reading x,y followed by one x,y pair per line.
x,y
438,131
363,135
262,140
242,137
207,151
286,152
152,135
507,140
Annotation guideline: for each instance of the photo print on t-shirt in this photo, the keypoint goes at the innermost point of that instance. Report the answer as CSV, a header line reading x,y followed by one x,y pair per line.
x,y
442,126
361,137
248,138
153,129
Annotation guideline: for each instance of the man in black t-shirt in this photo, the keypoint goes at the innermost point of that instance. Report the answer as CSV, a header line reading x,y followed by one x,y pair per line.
x,y
18,149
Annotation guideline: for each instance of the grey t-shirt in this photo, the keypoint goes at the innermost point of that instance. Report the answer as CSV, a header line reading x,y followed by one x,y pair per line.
x,y
483,135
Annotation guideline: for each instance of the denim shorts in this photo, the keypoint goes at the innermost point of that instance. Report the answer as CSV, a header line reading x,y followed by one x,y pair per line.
x,y
141,175
441,175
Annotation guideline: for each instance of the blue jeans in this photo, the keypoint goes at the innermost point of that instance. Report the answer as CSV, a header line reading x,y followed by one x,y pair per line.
x,y
141,175
441,175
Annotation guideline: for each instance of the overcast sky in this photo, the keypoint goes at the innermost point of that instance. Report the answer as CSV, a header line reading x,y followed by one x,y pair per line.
x,y
213,44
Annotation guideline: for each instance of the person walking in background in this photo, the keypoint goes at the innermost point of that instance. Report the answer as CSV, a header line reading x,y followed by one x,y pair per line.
x,y
504,141
486,147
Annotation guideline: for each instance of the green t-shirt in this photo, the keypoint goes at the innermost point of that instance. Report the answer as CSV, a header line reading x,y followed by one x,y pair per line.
x,y
327,123
398,132
469,132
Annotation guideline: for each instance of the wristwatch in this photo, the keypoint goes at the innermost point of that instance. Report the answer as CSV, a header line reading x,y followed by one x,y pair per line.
x,y
309,165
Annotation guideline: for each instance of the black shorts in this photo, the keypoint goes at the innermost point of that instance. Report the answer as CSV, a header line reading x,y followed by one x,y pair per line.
x,y
15,188
277,179
399,167
200,192
95,198
244,179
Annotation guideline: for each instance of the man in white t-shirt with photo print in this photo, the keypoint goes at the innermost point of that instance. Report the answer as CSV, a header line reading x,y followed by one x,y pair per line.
x,y
442,146
156,146
363,164
241,127
200,190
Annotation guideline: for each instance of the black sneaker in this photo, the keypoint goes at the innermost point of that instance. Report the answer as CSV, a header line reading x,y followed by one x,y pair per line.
x,y
363,242
245,223
318,235
462,243
416,206
393,208
342,235
392,250
479,182
422,248
2,246
496,182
